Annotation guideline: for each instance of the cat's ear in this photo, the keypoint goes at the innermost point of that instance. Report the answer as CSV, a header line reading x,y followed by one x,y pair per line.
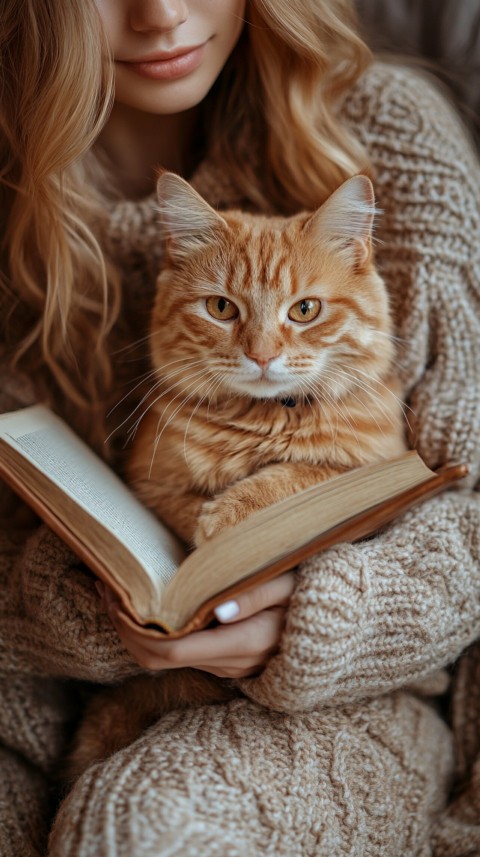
x,y
189,223
345,220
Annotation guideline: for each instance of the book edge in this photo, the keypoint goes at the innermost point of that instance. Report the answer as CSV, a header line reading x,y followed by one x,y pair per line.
x,y
74,542
357,527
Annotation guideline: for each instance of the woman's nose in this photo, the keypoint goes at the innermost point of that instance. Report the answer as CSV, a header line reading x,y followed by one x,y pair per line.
x,y
149,15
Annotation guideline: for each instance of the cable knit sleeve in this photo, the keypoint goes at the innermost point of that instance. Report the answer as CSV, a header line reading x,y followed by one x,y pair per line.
x,y
374,616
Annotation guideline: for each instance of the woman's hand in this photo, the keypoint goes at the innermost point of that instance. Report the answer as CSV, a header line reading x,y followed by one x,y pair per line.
x,y
249,634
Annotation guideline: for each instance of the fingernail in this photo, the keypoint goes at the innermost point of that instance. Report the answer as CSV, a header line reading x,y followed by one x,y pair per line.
x,y
227,611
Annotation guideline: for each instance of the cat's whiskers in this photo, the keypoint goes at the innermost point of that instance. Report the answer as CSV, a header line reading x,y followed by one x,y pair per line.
x,y
400,340
312,393
381,384
230,366
138,379
402,405
130,392
338,405
228,392
338,371
158,435
160,370
164,392
144,398
141,379
216,382
199,372
371,393
400,343
133,430
309,393
177,373
138,342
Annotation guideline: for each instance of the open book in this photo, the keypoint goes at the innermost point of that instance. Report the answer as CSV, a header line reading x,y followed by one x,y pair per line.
x,y
162,589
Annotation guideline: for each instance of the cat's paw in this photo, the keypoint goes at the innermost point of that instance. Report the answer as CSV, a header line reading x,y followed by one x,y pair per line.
x,y
217,515
210,523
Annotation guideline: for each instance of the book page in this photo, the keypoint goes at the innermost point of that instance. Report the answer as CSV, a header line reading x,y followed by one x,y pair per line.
x,y
48,443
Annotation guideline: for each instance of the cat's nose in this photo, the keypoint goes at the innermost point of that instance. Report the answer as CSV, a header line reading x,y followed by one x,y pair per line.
x,y
263,358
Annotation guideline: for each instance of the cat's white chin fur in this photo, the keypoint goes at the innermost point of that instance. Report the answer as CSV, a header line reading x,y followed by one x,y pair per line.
x,y
263,389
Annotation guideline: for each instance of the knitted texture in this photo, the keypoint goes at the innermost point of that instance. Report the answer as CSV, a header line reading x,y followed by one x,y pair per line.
x,y
24,808
325,755
240,781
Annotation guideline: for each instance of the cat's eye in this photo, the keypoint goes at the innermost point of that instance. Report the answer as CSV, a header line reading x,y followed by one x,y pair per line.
x,y
305,310
221,308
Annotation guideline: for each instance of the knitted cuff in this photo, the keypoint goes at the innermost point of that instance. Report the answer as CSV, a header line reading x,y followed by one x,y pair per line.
x,y
368,618
52,621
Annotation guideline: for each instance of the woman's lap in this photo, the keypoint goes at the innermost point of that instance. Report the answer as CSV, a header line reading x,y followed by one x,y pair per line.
x,y
25,803
240,781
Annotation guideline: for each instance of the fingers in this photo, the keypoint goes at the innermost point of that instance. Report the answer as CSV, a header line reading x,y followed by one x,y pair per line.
x,y
239,649
275,592
240,646
249,661
250,641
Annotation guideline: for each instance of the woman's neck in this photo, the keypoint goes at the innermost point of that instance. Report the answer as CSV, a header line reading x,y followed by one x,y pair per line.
x,y
137,144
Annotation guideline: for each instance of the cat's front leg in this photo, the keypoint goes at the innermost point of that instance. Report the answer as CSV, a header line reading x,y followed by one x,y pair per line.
x,y
266,487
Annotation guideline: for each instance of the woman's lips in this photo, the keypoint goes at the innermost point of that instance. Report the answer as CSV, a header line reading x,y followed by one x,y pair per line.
x,y
169,67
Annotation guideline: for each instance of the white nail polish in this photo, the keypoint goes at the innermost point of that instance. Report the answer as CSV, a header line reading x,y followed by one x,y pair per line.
x,y
227,611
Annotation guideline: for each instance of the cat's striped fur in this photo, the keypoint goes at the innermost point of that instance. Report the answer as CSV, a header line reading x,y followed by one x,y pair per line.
x,y
215,440
216,437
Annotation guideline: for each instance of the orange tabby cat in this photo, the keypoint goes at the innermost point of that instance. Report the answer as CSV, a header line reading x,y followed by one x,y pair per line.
x,y
272,349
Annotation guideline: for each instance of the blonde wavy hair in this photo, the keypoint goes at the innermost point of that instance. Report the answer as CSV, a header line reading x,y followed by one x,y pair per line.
x,y
286,77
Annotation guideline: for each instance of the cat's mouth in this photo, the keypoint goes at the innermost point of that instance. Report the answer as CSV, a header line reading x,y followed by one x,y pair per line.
x,y
263,387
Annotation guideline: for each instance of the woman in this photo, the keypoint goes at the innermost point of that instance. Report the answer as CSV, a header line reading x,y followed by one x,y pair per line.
x,y
268,106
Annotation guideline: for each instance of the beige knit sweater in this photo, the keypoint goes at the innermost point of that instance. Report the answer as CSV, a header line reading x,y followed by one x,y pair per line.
x,y
338,748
